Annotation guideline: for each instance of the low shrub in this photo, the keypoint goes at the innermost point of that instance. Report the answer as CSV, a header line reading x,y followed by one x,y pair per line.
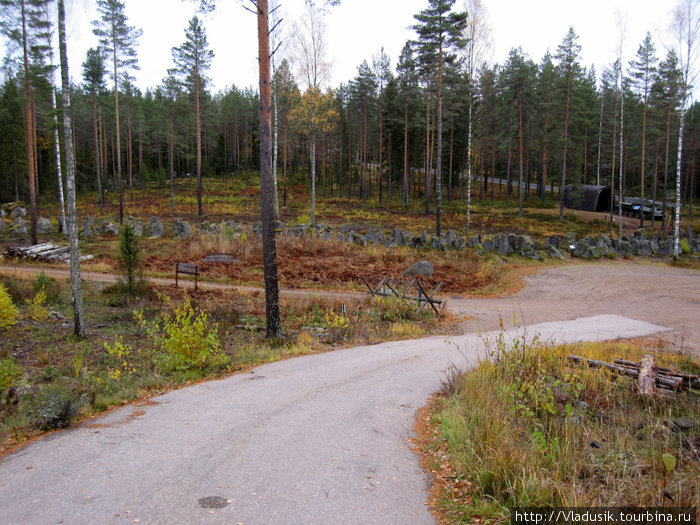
x,y
183,337
56,407
10,372
8,311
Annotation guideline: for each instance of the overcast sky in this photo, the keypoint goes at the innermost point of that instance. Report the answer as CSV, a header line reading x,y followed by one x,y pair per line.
x,y
357,29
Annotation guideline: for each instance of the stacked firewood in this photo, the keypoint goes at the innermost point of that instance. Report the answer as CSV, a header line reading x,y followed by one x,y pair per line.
x,y
651,379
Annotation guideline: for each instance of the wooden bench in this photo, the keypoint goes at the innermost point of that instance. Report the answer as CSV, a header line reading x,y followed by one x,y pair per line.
x,y
219,258
188,269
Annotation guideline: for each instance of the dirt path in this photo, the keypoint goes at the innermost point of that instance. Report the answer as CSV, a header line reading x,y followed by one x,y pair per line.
x,y
64,273
642,290
645,291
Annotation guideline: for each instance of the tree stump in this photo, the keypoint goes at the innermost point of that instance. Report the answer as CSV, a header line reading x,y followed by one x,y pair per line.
x,y
647,376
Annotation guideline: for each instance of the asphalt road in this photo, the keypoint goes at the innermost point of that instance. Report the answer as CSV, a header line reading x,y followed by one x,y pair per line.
x,y
321,439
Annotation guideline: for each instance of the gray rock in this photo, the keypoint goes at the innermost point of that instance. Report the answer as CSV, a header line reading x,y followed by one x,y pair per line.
x,y
88,227
358,238
502,245
459,243
424,268
209,228
625,248
375,237
639,234
155,227
345,229
109,227
20,226
397,236
554,253
135,225
553,240
450,238
488,243
438,243
182,228
689,233
641,247
474,241
513,242
417,242
664,248
43,226
3,226
424,237
525,243
3,213
603,241
18,212
280,227
326,236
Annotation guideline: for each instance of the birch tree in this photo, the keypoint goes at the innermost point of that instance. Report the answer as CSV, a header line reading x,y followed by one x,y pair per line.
x,y
686,26
76,286
478,38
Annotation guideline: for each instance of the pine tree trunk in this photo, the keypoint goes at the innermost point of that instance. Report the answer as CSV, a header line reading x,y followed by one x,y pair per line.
x,y
171,159
28,128
98,162
76,286
312,160
521,166
272,305
405,154
381,151
118,147
198,125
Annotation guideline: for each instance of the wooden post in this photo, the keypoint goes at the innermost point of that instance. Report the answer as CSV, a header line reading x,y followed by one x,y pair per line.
x,y
647,376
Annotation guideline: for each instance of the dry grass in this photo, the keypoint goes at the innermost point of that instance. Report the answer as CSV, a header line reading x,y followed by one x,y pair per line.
x,y
529,430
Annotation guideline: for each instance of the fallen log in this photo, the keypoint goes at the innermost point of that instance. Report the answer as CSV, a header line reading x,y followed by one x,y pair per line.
x,y
690,380
668,382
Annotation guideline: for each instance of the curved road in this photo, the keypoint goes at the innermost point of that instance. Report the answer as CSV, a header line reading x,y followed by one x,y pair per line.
x,y
317,439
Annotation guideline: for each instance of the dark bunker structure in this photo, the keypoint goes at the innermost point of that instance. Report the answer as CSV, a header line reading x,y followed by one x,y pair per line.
x,y
587,197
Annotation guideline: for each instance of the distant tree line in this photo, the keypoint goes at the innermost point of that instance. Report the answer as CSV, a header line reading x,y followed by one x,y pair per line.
x,y
418,130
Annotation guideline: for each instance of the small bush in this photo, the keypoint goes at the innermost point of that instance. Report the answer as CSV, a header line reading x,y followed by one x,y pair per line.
x,y
55,408
37,306
8,311
685,246
51,288
10,372
184,338
130,258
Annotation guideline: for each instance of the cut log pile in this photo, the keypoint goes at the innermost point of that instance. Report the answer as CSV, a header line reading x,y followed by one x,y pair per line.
x,y
651,379
47,252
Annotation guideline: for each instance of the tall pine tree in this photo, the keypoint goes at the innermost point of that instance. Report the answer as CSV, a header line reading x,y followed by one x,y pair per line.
x,y
439,33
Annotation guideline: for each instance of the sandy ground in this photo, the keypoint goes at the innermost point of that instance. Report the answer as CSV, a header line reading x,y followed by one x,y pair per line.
x,y
641,290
